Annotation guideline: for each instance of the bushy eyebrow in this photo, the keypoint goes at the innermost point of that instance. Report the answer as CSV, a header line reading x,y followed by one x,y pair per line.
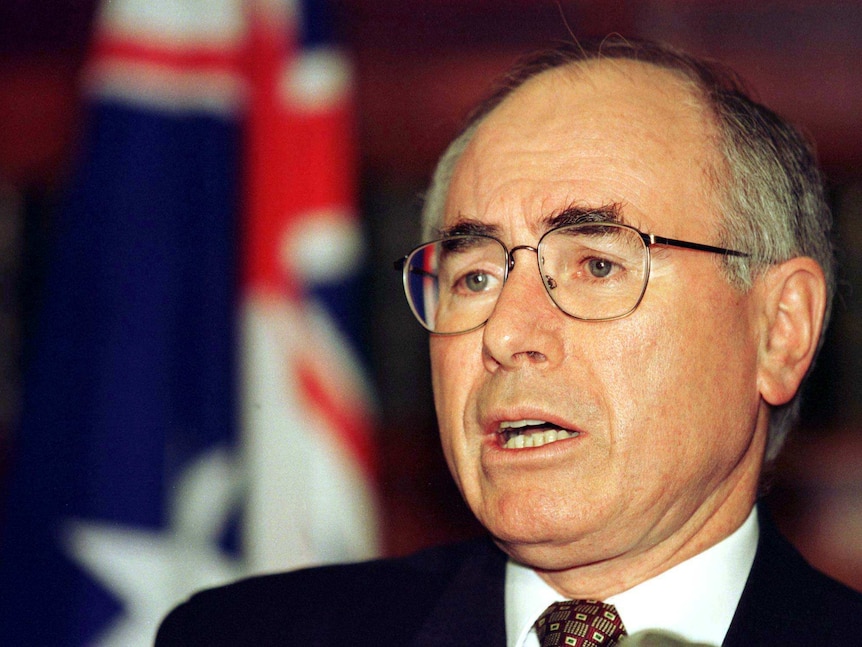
x,y
571,215
577,215
471,227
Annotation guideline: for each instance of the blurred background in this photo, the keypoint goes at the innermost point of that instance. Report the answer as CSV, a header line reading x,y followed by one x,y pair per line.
x,y
151,143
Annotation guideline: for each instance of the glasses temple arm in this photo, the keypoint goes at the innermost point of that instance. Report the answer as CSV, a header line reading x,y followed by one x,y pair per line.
x,y
661,240
399,265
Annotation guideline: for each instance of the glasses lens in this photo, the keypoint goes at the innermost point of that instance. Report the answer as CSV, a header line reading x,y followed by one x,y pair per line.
x,y
594,271
453,284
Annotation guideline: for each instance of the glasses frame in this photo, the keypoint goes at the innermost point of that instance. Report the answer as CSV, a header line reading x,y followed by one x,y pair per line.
x,y
648,241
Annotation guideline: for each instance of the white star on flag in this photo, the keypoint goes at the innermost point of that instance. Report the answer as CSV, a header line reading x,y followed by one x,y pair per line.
x,y
151,571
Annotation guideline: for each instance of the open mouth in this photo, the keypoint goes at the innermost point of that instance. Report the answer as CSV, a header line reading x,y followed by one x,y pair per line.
x,y
520,434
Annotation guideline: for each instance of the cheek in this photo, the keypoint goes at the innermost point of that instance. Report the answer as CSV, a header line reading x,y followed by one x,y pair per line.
x,y
689,378
698,338
447,371
454,363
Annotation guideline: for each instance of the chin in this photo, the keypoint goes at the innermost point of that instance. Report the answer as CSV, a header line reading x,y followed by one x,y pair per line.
x,y
549,556
555,540
544,550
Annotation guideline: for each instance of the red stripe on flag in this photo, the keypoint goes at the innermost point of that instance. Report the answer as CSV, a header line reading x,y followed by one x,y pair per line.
x,y
299,162
270,177
343,413
199,58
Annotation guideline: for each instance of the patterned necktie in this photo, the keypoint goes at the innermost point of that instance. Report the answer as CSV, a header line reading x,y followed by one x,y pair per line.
x,y
580,623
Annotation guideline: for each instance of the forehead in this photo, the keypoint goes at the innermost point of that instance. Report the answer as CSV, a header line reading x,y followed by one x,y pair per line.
x,y
592,134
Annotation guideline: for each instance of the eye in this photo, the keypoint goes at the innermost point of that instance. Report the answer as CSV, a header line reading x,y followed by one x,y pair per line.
x,y
476,281
600,267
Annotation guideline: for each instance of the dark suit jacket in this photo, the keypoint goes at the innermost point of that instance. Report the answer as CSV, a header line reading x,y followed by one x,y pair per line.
x,y
453,596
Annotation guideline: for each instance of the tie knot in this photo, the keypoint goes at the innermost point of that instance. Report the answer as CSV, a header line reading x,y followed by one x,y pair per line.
x,y
580,623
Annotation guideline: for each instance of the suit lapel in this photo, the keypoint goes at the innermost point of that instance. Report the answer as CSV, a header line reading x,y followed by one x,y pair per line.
x,y
470,611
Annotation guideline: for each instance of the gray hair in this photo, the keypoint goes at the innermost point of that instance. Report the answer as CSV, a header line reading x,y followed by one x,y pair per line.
x,y
769,190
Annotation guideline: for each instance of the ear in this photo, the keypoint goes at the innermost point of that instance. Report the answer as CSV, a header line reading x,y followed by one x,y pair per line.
x,y
793,306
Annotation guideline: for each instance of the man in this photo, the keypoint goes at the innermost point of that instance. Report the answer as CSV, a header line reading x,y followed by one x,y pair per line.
x,y
608,411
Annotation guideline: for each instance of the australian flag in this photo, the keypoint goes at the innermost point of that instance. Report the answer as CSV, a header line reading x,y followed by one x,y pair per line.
x,y
193,409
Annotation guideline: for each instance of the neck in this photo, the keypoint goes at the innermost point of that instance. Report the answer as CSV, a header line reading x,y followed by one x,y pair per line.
x,y
603,579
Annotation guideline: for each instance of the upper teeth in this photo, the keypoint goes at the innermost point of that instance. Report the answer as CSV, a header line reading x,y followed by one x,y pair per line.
x,y
515,424
515,439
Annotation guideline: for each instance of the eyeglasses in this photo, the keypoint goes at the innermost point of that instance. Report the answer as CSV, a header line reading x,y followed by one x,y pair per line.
x,y
592,271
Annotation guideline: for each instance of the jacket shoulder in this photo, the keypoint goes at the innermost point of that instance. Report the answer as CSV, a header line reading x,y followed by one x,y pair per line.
x,y
375,602
786,598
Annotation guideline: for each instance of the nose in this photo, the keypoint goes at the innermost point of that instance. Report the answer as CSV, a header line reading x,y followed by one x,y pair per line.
x,y
525,325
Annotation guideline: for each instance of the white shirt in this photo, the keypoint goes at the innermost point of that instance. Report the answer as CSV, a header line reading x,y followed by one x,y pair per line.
x,y
695,599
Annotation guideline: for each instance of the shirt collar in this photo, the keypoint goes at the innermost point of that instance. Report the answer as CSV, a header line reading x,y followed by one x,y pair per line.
x,y
695,599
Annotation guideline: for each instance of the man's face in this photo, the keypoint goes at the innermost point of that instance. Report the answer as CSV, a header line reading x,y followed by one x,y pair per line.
x,y
669,424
